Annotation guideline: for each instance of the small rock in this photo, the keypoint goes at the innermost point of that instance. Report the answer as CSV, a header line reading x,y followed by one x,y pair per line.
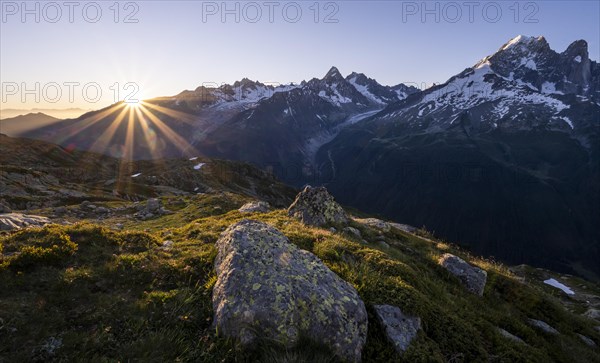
x,y
400,329
472,277
255,207
332,230
542,326
403,227
353,231
13,221
118,226
316,207
510,336
102,210
375,223
587,340
153,205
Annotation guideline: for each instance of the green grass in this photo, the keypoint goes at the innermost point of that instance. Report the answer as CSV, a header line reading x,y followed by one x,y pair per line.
x,y
85,292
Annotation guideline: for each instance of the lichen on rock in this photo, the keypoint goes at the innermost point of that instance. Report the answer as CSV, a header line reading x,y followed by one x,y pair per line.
x,y
269,288
316,207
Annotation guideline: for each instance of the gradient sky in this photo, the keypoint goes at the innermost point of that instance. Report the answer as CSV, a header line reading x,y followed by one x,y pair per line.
x,y
171,48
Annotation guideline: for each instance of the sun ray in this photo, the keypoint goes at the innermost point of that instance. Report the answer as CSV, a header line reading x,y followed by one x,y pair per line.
x,y
124,162
87,122
181,116
177,140
106,137
146,129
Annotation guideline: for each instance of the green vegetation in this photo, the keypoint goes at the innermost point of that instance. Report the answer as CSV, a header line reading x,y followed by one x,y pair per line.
x,y
85,292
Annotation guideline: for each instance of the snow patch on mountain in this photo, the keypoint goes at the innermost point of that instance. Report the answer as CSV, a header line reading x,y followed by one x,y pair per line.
x,y
334,97
365,91
245,96
559,285
528,63
550,88
478,86
568,121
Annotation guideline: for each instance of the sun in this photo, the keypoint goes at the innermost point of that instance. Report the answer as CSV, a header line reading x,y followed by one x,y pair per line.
x,y
133,104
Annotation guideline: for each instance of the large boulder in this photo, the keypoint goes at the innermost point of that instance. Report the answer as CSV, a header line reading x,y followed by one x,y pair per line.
x,y
316,207
12,221
472,277
400,329
269,288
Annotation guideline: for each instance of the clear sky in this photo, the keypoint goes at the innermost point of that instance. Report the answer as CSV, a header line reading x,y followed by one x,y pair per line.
x,y
177,45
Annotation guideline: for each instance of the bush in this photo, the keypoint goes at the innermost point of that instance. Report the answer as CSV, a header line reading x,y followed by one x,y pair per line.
x,y
48,246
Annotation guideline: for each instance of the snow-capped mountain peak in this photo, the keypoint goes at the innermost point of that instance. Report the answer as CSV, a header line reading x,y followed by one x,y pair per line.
x,y
522,85
523,41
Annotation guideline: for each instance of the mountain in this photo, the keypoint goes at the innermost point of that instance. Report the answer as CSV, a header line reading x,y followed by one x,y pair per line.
x,y
19,125
504,158
60,113
142,267
284,132
276,126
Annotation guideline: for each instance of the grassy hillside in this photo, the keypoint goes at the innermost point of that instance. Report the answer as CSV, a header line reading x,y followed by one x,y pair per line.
x,y
88,292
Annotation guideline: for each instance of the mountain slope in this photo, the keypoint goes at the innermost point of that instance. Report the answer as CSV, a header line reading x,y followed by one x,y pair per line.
x,y
37,174
491,158
19,125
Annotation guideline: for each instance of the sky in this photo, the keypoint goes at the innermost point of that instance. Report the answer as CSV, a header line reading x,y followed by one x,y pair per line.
x,y
90,54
